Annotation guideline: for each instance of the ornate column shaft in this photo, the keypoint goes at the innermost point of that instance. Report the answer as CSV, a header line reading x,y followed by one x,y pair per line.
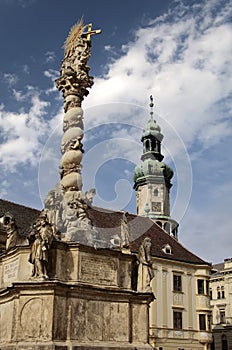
x,y
74,82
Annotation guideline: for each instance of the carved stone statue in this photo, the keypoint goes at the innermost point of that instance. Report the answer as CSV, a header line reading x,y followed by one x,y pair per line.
x,y
124,242
53,209
145,271
43,235
75,214
13,238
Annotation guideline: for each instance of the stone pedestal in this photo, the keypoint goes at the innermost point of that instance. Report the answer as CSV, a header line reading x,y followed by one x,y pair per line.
x,y
89,301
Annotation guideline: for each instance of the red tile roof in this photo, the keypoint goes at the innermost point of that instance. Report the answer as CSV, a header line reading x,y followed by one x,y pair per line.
x,y
107,223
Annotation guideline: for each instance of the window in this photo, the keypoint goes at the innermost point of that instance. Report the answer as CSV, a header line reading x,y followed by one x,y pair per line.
x,y
202,323
177,320
156,192
200,286
218,293
177,286
207,287
209,322
167,249
223,292
222,316
211,294
167,227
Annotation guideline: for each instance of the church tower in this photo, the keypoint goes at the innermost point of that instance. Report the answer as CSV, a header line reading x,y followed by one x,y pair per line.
x,y
152,179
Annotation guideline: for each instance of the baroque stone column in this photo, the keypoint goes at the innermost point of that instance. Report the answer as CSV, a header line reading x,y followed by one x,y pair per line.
x,y
74,82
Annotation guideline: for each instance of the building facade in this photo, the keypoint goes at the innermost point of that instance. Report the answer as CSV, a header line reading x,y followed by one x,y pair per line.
x,y
180,316
221,303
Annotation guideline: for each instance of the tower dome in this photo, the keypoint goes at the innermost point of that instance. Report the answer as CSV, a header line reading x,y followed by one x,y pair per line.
x,y
152,129
152,167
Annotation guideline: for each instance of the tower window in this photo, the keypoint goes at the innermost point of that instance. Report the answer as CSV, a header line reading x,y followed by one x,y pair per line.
x,y
156,192
147,145
167,227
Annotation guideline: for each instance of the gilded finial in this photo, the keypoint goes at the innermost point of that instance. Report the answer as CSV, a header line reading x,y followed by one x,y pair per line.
x,y
151,106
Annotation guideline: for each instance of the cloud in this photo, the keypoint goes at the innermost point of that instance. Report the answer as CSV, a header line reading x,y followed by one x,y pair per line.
x,y
10,78
22,132
183,59
5,185
50,56
52,74
26,69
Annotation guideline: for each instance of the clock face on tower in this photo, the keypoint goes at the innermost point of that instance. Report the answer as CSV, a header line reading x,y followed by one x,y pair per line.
x,y
156,206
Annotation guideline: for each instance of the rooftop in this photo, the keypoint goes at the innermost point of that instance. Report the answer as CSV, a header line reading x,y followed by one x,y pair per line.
x,y
108,224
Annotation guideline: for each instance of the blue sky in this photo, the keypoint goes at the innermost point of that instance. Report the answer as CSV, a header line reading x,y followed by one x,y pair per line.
x,y
178,51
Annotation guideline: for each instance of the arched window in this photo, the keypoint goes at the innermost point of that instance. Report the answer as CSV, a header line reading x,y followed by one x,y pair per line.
x,y
167,227
147,145
159,223
155,192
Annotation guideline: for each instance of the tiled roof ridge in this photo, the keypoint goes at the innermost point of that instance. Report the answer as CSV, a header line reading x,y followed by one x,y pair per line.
x,y
21,205
203,261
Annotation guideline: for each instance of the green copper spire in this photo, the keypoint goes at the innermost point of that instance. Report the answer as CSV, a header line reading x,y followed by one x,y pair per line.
x,y
152,179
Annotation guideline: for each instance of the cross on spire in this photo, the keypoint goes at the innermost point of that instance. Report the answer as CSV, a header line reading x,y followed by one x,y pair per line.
x,y
91,32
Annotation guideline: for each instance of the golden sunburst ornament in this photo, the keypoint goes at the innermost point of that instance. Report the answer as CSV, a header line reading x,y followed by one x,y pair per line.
x,y
74,34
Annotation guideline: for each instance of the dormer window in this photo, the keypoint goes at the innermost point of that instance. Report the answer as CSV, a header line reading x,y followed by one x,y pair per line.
x,y
167,249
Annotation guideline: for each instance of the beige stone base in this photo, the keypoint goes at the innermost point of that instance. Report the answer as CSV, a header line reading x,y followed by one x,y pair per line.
x,y
95,308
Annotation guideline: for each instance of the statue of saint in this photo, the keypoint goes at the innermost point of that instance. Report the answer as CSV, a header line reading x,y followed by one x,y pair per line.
x,y
145,271
43,236
13,238
124,242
